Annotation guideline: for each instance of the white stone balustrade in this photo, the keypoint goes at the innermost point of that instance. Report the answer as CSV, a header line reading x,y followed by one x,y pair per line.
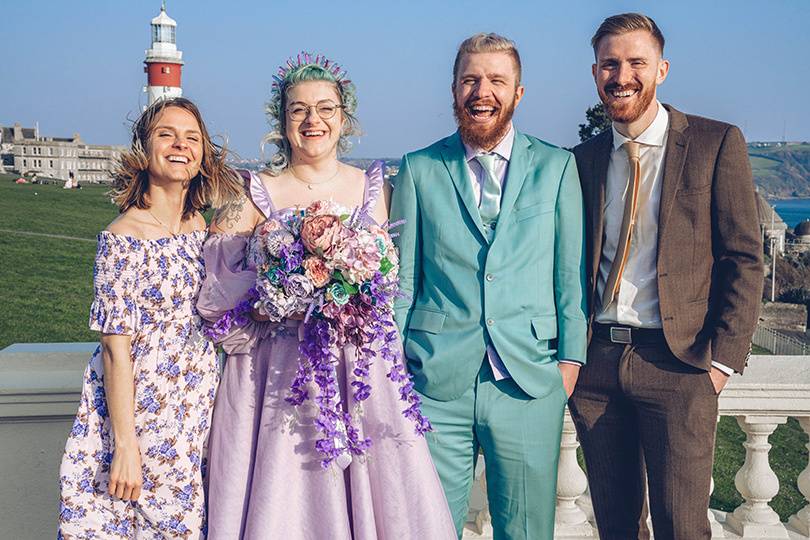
x,y
800,521
773,389
39,393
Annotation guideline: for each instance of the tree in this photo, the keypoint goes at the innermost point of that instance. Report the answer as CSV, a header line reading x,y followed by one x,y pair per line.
x,y
598,122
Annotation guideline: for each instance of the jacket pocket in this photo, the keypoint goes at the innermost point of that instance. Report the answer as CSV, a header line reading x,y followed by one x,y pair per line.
x,y
534,210
427,321
545,328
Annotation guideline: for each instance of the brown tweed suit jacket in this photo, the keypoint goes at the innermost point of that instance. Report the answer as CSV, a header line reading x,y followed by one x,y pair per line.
x,y
710,273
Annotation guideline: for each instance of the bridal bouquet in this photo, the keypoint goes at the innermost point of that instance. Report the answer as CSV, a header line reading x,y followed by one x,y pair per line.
x,y
339,274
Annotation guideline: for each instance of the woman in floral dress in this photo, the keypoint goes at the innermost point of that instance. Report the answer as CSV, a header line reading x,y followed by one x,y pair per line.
x,y
135,461
266,476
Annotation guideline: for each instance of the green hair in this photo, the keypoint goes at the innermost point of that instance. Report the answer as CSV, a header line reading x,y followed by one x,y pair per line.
x,y
276,107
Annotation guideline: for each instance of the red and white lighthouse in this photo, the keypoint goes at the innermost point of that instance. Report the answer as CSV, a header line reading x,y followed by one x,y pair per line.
x,y
163,63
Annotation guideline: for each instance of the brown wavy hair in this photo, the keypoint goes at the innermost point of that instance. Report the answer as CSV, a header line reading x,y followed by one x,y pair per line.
x,y
215,184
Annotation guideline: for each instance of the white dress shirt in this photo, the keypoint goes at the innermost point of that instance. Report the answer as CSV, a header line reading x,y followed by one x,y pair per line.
x,y
636,303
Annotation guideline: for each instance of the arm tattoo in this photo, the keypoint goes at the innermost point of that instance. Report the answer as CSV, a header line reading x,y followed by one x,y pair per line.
x,y
228,215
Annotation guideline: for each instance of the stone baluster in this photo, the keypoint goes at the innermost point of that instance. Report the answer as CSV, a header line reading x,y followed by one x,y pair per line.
x,y
757,482
800,521
571,521
585,503
717,528
478,525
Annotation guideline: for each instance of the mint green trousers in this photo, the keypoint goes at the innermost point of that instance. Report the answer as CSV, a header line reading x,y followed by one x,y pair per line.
x,y
520,439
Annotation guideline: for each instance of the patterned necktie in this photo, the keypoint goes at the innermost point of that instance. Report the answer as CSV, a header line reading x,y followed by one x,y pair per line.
x,y
628,223
491,192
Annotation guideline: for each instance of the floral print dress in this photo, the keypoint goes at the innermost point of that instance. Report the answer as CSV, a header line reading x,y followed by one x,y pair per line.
x,y
146,289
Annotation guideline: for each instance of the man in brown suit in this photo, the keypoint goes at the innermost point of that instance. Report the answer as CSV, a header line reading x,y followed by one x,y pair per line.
x,y
675,284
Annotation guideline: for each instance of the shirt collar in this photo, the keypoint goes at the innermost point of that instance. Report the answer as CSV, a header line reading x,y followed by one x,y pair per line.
x,y
654,135
503,148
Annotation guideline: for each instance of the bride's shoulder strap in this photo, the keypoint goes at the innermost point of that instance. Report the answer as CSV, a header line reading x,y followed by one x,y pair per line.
x,y
255,190
375,178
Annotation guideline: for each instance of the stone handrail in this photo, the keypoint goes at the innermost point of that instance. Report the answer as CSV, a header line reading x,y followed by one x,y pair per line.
x,y
40,386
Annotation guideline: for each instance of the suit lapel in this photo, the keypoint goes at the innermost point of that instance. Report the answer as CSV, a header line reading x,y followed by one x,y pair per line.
x,y
598,181
675,156
520,162
454,159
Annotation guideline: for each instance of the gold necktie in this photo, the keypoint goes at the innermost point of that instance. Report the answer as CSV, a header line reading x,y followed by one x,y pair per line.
x,y
628,223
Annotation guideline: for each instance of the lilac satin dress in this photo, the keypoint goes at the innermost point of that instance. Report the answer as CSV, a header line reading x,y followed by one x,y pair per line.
x,y
265,477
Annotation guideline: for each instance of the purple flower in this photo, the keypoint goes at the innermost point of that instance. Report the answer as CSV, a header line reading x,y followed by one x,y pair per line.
x,y
276,241
292,256
237,316
299,286
272,301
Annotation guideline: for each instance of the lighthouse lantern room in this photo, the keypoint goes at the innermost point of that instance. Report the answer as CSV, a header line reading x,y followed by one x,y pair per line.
x,y
163,63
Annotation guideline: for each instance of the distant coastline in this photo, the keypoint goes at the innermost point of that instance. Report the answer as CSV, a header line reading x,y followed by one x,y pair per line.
x,y
792,211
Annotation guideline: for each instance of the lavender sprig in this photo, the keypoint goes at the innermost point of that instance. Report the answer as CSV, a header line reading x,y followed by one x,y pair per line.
x,y
235,317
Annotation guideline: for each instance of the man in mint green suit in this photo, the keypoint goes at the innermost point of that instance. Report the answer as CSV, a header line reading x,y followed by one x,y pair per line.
x,y
492,259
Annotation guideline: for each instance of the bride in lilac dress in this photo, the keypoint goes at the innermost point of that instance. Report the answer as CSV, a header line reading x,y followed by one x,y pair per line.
x,y
266,478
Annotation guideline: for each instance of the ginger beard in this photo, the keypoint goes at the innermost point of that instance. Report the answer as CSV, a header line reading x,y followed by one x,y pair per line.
x,y
476,134
626,109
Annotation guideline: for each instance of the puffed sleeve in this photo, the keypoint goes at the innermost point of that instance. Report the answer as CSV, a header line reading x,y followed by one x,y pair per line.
x,y
115,286
224,300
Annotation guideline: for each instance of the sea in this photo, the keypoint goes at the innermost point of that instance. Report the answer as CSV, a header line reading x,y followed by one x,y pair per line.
x,y
792,211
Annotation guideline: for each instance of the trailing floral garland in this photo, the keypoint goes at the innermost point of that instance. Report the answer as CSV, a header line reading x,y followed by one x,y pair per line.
x,y
341,275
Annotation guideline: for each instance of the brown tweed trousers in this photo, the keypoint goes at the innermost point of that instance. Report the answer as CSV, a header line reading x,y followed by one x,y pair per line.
x,y
650,410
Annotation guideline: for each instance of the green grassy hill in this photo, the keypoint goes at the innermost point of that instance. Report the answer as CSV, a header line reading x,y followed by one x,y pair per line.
x,y
46,281
781,171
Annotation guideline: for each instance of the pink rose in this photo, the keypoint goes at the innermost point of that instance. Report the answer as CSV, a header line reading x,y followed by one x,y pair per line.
x,y
319,208
316,270
316,208
320,233
357,257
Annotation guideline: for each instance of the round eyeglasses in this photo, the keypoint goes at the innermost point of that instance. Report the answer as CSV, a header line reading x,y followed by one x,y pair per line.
x,y
325,108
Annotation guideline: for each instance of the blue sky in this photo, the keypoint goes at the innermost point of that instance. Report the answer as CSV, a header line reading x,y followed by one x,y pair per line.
x,y
77,66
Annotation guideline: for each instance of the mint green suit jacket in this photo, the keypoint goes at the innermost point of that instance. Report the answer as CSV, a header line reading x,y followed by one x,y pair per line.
x,y
522,291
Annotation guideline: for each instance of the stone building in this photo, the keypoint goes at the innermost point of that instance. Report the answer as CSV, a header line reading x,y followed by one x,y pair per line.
x,y
802,231
25,151
800,243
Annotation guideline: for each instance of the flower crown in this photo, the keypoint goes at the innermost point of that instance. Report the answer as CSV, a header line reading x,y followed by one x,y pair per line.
x,y
305,59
